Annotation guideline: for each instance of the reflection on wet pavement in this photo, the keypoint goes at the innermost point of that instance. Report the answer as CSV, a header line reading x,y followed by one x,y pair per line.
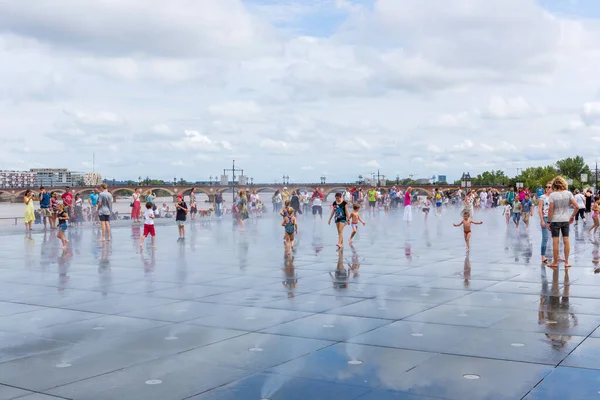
x,y
403,313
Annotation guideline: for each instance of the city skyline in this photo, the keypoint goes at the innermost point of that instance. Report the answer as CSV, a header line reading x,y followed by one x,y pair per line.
x,y
311,88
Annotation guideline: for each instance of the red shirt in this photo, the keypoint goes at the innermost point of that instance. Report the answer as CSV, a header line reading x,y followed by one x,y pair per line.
x,y
67,199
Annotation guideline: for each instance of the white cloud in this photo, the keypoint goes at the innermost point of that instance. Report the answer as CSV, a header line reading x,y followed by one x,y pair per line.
x,y
282,147
372,164
102,118
516,107
161,128
591,113
235,109
307,168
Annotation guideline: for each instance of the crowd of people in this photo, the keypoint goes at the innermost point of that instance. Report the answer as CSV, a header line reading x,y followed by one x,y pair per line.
x,y
518,206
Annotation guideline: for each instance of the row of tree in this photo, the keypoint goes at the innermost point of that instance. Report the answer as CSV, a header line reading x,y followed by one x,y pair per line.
x,y
533,177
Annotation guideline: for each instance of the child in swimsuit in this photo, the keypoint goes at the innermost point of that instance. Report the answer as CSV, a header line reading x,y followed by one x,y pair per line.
x,y
466,223
354,220
291,227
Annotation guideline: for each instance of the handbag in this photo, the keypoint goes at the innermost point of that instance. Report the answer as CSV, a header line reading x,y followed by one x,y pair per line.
x,y
131,204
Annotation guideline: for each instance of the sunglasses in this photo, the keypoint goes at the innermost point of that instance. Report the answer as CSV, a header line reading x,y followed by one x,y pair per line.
x,y
548,187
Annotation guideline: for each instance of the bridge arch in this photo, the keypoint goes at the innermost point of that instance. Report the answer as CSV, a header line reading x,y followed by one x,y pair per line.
x,y
328,191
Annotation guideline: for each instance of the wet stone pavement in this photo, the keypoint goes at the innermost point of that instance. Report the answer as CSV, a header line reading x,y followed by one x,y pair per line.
x,y
403,314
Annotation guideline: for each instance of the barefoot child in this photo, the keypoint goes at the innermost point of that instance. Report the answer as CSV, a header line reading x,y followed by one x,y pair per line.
x,y
426,207
507,211
291,227
148,225
62,218
466,223
354,220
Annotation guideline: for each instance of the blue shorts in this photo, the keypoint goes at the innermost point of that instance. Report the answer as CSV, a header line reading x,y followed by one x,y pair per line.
x,y
438,204
63,227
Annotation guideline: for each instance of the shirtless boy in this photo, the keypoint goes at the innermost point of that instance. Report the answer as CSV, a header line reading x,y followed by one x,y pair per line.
x,y
466,223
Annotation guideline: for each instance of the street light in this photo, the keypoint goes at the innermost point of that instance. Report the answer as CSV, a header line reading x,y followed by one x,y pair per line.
x,y
210,180
397,179
466,181
323,180
251,181
139,180
174,181
286,179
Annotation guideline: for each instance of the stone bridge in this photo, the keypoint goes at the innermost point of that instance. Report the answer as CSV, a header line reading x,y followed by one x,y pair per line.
x,y
13,194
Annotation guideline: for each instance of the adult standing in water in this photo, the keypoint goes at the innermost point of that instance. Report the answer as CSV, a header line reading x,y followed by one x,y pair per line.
x,y
45,211
29,216
136,205
218,203
340,210
407,206
559,219
105,201
543,206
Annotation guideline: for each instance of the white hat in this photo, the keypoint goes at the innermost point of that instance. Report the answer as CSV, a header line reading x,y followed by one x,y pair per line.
x,y
285,188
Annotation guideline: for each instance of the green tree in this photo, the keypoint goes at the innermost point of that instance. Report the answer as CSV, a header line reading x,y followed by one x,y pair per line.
x,y
534,177
573,168
491,178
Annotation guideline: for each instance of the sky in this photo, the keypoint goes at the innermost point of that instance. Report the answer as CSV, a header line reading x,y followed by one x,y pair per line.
x,y
302,88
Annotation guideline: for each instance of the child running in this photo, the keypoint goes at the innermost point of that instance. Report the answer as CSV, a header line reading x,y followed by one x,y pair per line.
x,y
148,225
426,207
291,227
354,220
62,218
466,223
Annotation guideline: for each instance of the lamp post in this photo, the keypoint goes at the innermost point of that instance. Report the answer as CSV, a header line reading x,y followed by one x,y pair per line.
x,y
286,179
174,181
397,179
233,178
466,181
210,180
323,180
251,181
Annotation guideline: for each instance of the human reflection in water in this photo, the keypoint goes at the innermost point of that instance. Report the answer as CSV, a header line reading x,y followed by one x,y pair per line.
x,y
104,272
467,271
408,249
354,266
291,279
244,247
341,276
596,255
148,263
64,263
136,235
555,312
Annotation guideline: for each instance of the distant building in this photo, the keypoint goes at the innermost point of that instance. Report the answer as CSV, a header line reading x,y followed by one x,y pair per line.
x,y
442,178
53,177
423,181
92,179
17,179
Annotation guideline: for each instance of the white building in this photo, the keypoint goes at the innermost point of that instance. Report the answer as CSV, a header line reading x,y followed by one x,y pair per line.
x,y
92,179
17,179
